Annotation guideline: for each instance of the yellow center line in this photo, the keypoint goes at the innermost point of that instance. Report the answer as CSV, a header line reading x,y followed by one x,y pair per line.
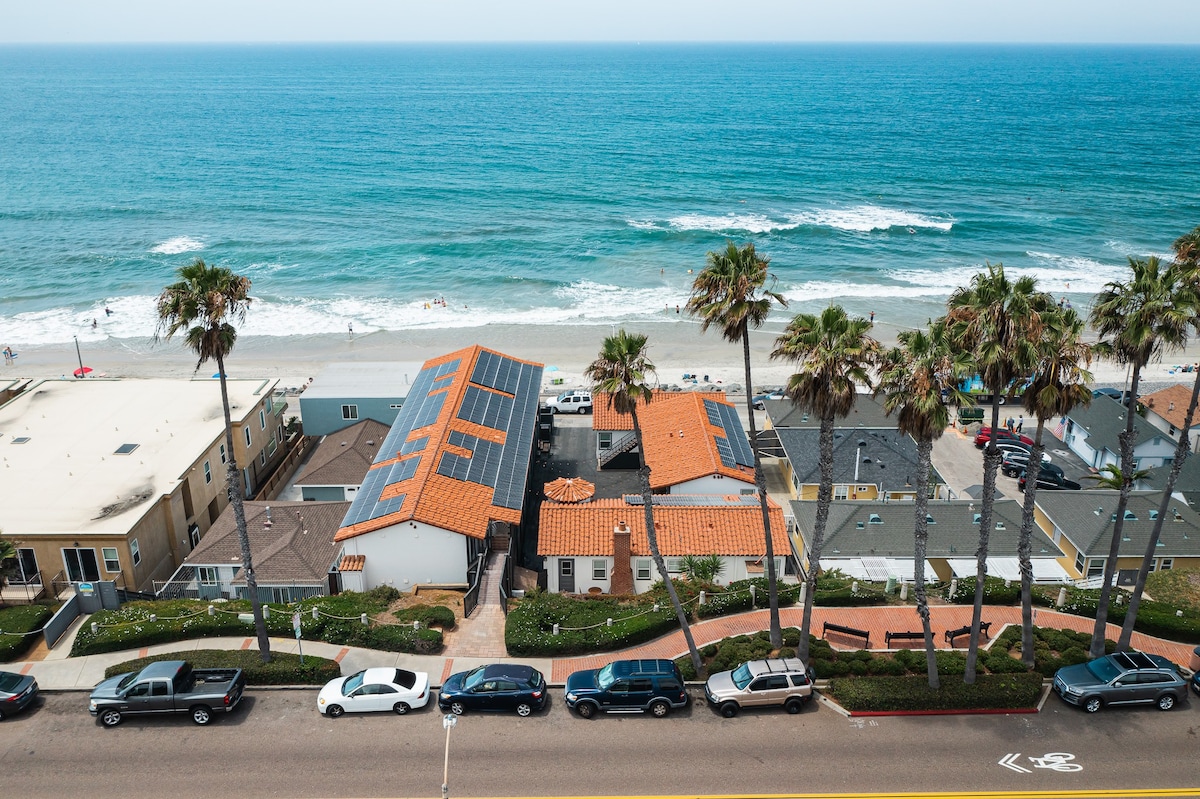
x,y
1104,793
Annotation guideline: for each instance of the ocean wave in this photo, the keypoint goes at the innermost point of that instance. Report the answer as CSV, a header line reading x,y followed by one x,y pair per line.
x,y
178,245
857,219
747,223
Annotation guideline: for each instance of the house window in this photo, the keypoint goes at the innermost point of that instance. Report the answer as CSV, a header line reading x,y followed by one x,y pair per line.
x,y
135,550
208,575
841,492
1079,563
262,458
194,535
246,429
111,562
224,457
1166,564
604,440
1173,431
642,568
207,473
599,569
1057,536
566,567
350,412
1095,567
674,565
262,420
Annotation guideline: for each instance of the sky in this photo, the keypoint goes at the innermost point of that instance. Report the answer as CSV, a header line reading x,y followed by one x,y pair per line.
x,y
1034,21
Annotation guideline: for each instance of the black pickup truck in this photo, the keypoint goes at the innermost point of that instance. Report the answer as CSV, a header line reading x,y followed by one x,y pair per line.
x,y
169,686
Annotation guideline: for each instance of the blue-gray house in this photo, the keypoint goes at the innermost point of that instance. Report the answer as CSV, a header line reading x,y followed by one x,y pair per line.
x,y
345,393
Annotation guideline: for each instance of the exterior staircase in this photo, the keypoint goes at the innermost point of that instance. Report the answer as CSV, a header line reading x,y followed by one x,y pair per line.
x,y
619,446
482,635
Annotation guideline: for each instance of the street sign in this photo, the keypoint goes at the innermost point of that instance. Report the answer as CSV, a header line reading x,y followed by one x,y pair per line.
x,y
449,720
296,624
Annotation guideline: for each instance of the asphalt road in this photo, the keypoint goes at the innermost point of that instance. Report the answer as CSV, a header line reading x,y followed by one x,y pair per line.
x,y
276,744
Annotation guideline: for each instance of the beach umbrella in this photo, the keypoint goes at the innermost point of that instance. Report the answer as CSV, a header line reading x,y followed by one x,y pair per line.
x,y
218,374
81,371
569,489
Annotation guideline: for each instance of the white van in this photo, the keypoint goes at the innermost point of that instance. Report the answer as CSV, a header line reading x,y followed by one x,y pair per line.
x,y
575,401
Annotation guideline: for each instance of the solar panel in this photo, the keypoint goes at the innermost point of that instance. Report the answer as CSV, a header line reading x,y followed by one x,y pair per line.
x,y
486,408
725,452
416,445
402,470
498,372
736,450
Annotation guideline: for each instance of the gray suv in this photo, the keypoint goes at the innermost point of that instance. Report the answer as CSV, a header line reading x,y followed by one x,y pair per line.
x,y
761,683
1122,678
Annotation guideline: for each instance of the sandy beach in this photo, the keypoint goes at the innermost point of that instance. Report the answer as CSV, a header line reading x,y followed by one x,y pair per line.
x,y
675,348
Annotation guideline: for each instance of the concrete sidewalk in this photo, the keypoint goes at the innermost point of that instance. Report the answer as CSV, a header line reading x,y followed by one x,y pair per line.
x,y
58,672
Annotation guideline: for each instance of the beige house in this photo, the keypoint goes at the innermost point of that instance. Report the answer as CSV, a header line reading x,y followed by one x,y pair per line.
x,y
120,479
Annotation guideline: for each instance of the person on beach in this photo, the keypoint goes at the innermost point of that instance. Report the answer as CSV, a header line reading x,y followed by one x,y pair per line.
x,y
94,323
107,311
1020,423
8,356
872,317
350,328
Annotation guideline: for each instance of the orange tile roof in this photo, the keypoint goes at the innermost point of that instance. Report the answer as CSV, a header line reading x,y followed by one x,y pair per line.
x,y
352,563
446,502
679,440
717,529
1171,403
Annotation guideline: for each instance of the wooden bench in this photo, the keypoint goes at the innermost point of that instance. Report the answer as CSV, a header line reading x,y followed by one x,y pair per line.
x,y
966,630
838,628
890,636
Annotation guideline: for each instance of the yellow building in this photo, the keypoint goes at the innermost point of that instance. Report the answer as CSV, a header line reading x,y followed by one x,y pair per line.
x,y
119,479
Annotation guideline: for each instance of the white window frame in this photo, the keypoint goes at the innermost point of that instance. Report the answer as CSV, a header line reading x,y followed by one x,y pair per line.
x,y
674,565
1080,563
246,429
1166,564
194,535
135,550
112,563
1095,567
207,473
642,569
262,420
350,413
599,569
262,458
841,492
224,456
208,575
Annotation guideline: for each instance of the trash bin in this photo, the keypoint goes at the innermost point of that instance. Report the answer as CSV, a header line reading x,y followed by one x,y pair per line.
x,y
1194,665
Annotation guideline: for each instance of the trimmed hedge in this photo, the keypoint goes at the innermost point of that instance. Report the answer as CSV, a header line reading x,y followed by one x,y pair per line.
x,y
284,669
995,592
21,619
1052,648
134,630
429,616
529,629
990,691
1154,618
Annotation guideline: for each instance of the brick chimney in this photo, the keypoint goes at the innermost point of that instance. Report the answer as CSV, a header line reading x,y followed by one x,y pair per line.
x,y
622,573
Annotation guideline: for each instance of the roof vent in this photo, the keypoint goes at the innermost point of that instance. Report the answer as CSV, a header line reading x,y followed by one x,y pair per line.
x,y
1099,509
876,519
370,442
1113,517
1000,526
125,449
929,519
1130,516
976,518
859,525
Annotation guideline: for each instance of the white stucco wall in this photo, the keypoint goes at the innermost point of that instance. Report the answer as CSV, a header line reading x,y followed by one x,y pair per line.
x,y
409,554
712,484
735,569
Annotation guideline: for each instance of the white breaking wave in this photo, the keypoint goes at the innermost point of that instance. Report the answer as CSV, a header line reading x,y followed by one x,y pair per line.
x,y
178,245
858,219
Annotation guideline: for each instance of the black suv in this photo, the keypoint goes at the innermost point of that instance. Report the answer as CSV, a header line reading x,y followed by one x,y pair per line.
x,y
1050,478
627,686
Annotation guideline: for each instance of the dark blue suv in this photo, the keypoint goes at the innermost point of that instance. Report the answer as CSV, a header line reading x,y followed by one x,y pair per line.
x,y
627,686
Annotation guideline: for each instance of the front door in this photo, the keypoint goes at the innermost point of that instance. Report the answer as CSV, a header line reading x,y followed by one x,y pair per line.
x,y
81,565
566,576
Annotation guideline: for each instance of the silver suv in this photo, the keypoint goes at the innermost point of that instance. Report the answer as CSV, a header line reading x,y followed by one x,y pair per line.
x,y
1122,678
761,683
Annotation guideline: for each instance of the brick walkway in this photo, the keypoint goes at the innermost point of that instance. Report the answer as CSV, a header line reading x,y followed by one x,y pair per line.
x,y
482,635
875,620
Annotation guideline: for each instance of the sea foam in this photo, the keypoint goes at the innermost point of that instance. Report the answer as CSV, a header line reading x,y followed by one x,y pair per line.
x,y
177,245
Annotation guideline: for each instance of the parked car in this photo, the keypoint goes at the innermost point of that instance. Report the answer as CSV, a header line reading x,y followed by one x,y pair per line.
x,y
168,686
760,400
773,682
504,687
1050,478
1015,461
627,686
17,692
985,434
574,401
1196,682
369,690
1122,678
1115,393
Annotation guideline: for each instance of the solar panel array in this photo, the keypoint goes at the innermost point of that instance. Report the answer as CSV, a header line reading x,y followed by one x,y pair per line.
x,y
366,503
734,449
421,409
496,371
402,470
695,500
483,465
416,445
486,408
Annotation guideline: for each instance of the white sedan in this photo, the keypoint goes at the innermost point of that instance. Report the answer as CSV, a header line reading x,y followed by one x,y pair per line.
x,y
375,689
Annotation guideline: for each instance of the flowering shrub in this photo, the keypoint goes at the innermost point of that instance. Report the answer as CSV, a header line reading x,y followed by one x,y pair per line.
x,y
15,622
995,592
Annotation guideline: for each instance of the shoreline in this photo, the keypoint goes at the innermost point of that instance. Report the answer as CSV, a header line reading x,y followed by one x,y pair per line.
x,y
675,350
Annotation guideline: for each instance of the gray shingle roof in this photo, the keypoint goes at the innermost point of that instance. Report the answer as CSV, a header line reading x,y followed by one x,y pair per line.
x,y
298,546
1085,517
887,529
343,458
888,459
1104,420
867,412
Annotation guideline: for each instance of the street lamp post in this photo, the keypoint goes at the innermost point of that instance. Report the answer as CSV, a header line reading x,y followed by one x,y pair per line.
x,y
448,721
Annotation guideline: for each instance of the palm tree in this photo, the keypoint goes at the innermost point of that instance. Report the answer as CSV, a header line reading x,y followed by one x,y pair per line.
x,y
1137,320
1111,477
1187,258
834,355
998,321
918,379
730,293
204,305
620,375
1058,385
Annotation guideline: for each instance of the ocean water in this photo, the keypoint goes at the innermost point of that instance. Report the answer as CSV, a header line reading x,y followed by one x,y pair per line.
x,y
561,185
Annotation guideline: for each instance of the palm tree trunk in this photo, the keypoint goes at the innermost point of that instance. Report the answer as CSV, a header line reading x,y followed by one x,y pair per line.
x,y
234,485
921,541
1025,547
1182,448
1114,548
760,482
652,539
824,500
991,464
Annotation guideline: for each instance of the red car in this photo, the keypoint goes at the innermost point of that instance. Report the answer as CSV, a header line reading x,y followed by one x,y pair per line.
x,y
985,434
